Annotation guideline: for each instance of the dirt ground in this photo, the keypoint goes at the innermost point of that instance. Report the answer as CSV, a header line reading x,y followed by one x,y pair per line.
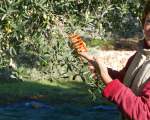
x,y
117,56
126,44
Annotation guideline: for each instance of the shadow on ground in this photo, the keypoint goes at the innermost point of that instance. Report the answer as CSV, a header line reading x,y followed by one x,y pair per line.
x,y
63,100
51,93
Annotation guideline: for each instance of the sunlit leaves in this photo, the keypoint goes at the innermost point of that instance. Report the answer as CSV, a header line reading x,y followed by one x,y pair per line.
x,y
33,32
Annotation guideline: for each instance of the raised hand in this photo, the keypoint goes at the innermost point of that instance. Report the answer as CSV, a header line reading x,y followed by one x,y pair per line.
x,y
96,66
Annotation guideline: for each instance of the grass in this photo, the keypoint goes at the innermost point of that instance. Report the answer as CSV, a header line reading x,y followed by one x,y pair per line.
x,y
103,44
73,92
69,100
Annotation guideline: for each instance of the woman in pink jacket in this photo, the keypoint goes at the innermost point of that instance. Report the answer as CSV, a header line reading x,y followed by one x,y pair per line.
x,y
130,87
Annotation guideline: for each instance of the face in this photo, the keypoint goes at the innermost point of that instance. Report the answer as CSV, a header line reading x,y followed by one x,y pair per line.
x,y
147,29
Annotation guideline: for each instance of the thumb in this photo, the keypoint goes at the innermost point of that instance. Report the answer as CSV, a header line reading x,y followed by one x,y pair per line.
x,y
98,60
86,55
100,64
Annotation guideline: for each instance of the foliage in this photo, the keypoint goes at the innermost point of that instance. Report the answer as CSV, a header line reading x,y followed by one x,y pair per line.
x,y
33,33
103,44
30,39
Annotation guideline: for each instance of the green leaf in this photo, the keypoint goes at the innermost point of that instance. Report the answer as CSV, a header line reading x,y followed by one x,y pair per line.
x,y
12,52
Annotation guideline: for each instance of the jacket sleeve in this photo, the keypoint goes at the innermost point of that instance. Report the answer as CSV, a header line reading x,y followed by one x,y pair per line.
x,y
135,107
120,74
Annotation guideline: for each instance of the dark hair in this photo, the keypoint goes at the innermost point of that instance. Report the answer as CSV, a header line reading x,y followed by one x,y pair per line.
x,y
146,11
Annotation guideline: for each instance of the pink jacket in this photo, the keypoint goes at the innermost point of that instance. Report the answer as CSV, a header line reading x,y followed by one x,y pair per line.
x,y
132,106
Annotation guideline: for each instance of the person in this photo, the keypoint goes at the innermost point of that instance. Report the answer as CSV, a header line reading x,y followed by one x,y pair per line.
x,y
129,88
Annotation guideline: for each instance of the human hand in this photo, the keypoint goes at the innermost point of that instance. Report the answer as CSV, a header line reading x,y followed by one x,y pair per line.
x,y
97,68
91,64
102,70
